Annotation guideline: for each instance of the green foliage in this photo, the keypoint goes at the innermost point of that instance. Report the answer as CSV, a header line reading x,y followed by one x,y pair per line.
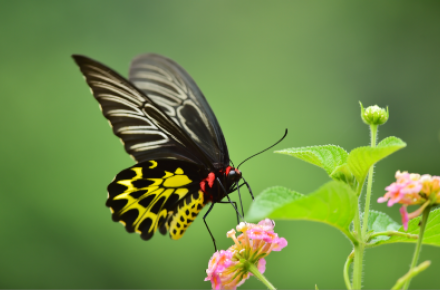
x,y
342,166
327,157
269,200
361,159
380,222
334,203
432,231
343,173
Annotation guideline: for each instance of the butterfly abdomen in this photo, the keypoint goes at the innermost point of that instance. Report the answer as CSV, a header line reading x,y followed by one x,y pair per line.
x,y
186,212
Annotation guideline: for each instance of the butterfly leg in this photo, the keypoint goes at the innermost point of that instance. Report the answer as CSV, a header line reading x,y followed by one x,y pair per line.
x,y
249,188
227,202
235,188
204,220
239,196
229,199
236,210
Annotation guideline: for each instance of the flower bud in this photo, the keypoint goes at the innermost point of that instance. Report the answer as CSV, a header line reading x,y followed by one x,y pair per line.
x,y
374,115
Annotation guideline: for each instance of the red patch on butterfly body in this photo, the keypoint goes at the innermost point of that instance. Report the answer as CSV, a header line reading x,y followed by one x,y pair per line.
x,y
208,180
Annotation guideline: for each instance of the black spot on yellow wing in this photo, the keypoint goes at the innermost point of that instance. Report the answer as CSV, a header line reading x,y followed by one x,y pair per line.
x,y
146,195
186,211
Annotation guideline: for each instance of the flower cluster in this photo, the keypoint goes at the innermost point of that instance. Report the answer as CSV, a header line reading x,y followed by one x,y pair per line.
x,y
229,269
412,189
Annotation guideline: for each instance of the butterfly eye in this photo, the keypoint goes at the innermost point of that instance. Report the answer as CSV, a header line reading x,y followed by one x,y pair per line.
x,y
234,175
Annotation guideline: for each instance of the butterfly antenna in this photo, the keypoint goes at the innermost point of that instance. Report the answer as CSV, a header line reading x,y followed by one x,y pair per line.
x,y
285,134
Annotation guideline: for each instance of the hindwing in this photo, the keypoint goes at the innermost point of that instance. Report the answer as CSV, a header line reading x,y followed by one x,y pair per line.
x,y
156,194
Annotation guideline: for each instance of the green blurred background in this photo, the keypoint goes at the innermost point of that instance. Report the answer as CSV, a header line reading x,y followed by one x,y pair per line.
x,y
263,66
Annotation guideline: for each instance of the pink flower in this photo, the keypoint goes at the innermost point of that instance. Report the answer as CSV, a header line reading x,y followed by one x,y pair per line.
x,y
405,217
412,189
218,262
279,244
229,269
262,265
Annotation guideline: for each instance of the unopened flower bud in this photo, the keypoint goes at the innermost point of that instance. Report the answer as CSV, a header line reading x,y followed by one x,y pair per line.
x,y
231,233
374,115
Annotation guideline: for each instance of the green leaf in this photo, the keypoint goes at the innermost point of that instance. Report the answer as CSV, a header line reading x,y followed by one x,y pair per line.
x,y
343,173
334,203
432,231
361,159
380,222
269,200
327,157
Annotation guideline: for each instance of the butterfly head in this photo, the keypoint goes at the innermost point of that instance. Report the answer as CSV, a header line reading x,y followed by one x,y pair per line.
x,y
232,174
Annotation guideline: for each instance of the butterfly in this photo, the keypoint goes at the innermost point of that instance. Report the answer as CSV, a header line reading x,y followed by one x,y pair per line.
x,y
169,129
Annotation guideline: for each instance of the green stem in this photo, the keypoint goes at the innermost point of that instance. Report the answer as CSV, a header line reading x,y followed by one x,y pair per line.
x,y
251,268
358,249
361,230
411,273
347,270
419,243
373,129
394,233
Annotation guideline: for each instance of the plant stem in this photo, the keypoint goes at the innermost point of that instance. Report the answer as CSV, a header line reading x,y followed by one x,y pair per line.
x,y
394,233
419,243
411,273
361,232
251,268
347,270
358,249
373,129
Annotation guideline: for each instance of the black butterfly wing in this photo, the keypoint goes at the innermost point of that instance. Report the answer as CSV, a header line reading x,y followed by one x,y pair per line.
x,y
146,131
157,194
175,92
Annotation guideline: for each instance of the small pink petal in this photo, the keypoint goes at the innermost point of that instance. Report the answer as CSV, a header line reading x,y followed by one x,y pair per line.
x,y
405,218
279,244
412,187
261,265
270,237
259,234
394,197
402,175
267,224
392,201
393,187
216,282
218,262
382,199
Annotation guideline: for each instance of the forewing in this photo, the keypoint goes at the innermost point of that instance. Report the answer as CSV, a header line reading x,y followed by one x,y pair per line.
x,y
146,131
173,89
156,194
